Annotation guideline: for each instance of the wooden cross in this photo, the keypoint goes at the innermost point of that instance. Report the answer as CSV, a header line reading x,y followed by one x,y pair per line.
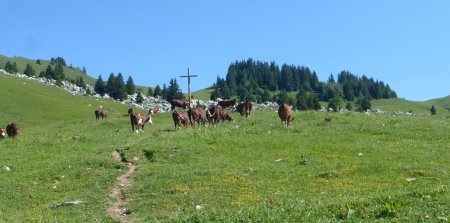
x,y
189,86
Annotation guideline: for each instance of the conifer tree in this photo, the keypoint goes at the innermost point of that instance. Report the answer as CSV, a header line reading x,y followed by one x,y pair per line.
x,y
433,110
121,90
80,82
157,91
111,85
11,67
131,88
59,72
100,86
150,92
139,98
49,73
173,91
29,71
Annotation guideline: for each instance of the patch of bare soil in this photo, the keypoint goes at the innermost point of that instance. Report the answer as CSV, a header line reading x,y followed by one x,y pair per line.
x,y
118,201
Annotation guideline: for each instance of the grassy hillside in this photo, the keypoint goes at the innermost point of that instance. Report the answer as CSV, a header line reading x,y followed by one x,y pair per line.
x,y
442,102
326,167
393,105
62,154
22,62
203,94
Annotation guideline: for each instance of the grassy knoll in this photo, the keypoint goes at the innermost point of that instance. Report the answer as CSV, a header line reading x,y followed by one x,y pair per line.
x,y
22,62
327,167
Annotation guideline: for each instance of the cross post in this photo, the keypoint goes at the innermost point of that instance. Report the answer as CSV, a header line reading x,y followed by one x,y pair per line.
x,y
189,86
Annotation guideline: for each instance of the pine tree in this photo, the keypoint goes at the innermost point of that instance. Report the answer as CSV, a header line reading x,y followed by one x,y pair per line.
x,y
49,73
131,88
80,82
157,91
433,110
100,86
111,85
11,67
121,89
173,91
59,72
150,92
164,91
29,71
139,98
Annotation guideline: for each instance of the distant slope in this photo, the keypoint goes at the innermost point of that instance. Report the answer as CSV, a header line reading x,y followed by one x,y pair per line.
x,y
442,102
33,104
22,62
203,94
393,105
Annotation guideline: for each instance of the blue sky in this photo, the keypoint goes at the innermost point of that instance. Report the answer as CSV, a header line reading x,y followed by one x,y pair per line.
x,y
405,43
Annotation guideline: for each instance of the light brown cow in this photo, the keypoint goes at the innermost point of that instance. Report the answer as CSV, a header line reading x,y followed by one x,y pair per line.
x,y
100,113
285,114
137,120
180,117
197,115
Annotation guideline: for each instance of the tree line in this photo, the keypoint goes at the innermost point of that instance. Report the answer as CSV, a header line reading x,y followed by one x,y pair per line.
x,y
257,80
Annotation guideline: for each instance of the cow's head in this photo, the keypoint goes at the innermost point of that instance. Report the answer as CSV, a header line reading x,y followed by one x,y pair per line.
x,y
130,111
2,133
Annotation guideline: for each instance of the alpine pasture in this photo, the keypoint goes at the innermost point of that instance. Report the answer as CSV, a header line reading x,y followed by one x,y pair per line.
x,y
326,167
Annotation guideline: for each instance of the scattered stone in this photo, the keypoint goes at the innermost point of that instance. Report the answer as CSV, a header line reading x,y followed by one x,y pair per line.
x,y
68,203
198,207
278,160
410,179
124,212
7,168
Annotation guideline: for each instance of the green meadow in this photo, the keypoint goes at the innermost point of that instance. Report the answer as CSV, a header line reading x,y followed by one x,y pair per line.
x,y
326,167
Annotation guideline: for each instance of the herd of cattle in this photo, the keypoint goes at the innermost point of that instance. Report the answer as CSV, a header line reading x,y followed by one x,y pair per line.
x,y
212,115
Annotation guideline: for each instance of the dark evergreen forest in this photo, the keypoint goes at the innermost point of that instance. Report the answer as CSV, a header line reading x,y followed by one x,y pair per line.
x,y
256,80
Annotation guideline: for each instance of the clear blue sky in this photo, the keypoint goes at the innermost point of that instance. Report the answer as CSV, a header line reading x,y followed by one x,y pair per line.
x,y
405,43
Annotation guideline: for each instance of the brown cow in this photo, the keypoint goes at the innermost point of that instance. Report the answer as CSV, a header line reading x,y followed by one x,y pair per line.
x,y
245,108
2,133
180,117
152,111
227,103
137,119
100,113
197,115
285,114
215,114
178,103
12,130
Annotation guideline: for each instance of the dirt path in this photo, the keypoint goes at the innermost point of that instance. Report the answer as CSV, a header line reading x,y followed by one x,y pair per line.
x,y
117,199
